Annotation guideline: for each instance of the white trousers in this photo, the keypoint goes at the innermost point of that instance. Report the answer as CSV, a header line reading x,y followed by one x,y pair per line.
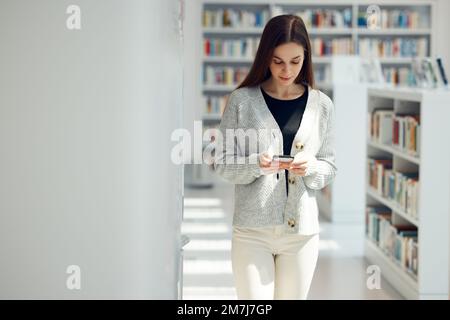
x,y
268,264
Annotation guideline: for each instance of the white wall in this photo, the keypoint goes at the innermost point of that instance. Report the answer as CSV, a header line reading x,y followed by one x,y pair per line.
x,y
85,123
442,42
349,191
442,36
193,106
192,64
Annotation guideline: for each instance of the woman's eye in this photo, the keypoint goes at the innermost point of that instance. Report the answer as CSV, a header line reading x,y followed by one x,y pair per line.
x,y
278,62
295,62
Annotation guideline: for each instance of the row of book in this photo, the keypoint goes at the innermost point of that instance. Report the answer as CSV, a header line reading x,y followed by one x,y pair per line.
x,y
232,75
321,18
233,18
326,47
215,104
401,131
400,187
406,133
405,19
399,76
318,18
236,48
224,75
393,48
247,47
398,241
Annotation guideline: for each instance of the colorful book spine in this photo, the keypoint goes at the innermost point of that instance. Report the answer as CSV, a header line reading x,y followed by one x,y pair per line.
x,y
327,47
393,48
233,18
232,48
215,105
321,18
400,187
232,76
398,241
403,19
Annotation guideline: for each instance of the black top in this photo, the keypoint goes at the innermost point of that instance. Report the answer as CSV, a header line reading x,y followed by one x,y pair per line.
x,y
288,114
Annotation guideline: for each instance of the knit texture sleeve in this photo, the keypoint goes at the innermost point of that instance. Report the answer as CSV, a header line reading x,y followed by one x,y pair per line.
x,y
323,168
229,161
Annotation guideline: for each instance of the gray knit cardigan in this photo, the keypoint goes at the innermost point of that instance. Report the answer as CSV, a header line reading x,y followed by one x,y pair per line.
x,y
261,199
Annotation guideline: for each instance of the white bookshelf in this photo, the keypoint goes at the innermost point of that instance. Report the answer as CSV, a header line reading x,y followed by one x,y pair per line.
x,y
392,150
432,164
330,31
425,8
396,61
355,33
343,200
322,64
212,117
219,88
394,206
394,31
228,59
229,30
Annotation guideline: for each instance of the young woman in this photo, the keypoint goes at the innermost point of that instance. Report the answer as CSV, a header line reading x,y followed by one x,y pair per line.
x,y
275,224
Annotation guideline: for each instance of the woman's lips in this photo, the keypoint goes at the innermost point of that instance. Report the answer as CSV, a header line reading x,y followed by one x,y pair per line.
x,y
285,79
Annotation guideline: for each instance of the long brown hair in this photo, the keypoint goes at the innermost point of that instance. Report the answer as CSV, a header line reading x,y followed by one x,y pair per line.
x,y
280,30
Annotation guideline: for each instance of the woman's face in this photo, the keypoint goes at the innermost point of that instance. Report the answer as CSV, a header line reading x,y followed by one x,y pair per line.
x,y
287,62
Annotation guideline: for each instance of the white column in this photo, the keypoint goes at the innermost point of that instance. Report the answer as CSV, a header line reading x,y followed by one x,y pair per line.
x,y
85,123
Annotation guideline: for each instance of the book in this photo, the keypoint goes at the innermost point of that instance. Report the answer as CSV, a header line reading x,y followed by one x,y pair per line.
x,y
371,71
406,133
429,73
375,214
394,48
381,131
420,76
442,71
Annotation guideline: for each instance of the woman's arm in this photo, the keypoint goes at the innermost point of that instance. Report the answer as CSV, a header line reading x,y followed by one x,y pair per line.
x,y
228,163
322,169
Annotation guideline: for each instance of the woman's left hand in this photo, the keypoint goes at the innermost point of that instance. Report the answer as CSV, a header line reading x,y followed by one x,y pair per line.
x,y
300,164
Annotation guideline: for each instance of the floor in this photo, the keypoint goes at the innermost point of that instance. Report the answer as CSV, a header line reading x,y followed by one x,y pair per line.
x,y
341,271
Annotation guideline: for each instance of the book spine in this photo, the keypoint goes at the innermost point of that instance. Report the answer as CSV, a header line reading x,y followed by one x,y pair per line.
x,y
442,71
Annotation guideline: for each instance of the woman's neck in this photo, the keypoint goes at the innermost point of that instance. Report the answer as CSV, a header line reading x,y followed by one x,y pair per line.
x,y
283,92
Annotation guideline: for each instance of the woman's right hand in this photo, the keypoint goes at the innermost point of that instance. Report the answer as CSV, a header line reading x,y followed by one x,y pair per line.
x,y
267,165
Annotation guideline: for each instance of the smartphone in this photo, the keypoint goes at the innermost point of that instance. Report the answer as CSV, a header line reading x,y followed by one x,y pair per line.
x,y
283,158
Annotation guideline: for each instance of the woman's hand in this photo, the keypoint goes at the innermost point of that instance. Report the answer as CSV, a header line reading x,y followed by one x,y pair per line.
x,y
269,166
301,164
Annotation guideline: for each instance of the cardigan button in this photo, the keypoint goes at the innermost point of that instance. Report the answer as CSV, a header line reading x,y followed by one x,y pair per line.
x,y
299,146
291,223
